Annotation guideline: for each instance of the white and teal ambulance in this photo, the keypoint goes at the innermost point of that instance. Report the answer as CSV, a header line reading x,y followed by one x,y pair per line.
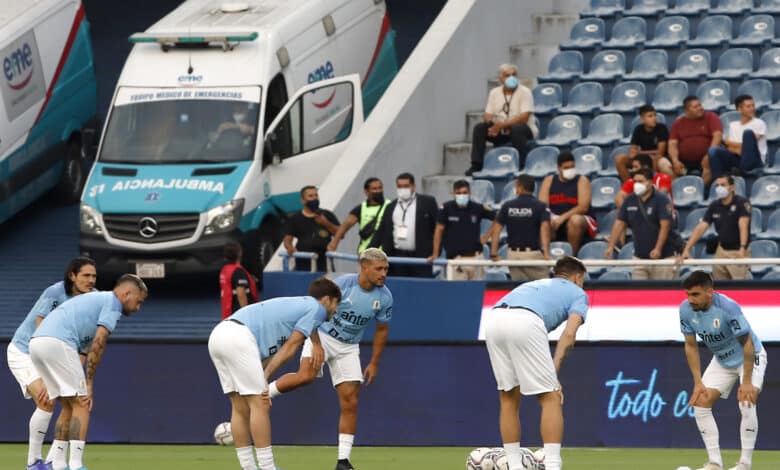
x,y
223,111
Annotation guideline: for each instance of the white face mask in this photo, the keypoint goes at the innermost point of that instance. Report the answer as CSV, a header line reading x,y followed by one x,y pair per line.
x,y
239,117
640,188
721,192
569,173
461,200
404,194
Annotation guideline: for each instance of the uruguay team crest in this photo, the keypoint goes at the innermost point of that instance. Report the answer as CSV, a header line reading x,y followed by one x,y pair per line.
x,y
716,323
376,305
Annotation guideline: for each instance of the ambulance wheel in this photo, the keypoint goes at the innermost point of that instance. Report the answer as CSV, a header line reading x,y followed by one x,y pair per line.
x,y
73,175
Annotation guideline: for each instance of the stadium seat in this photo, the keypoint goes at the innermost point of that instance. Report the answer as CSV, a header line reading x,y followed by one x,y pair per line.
x,y
635,121
692,64
772,119
773,164
729,117
731,7
482,192
649,65
613,274
593,250
768,65
604,129
692,220
627,251
647,7
587,33
771,7
603,8
584,98
499,274
541,161
564,67
688,191
771,275
548,98
671,31
713,31
766,191
733,64
606,221
762,249
604,190
563,130
606,66
772,231
739,189
688,7
610,169
627,33
587,159
627,97
500,162
558,249
756,221
715,95
760,89
755,31
507,194
669,95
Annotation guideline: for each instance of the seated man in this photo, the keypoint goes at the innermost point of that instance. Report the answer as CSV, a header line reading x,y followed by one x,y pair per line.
x,y
661,181
745,143
692,135
649,138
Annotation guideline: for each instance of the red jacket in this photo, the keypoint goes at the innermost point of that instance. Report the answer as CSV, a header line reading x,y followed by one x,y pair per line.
x,y
226,288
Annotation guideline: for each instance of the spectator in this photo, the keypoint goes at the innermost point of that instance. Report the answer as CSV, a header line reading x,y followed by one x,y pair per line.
x,y
367,214
661,181
568,197
649,138
746,142
648,213
237,286
731,215
693,134
508,118
459,228
406,228
527,222
313,227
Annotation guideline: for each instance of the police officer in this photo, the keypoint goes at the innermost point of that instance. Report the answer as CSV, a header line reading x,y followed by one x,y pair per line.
x,y
459,226
649,215
527,222
368,213
731,215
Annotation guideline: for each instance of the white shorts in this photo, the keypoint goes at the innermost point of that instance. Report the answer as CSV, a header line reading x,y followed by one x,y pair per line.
x,y
22,368
59,366
723,379
519,351
343,359
233,350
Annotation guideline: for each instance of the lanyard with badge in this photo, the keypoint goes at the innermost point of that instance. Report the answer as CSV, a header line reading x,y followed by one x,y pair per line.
x,y
402,231
506,108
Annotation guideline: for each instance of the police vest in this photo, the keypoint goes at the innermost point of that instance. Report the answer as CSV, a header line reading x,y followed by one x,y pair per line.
x,y
368,215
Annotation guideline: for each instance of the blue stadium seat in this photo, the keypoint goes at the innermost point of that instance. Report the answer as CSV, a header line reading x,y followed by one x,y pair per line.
x,y
688,7
604,129
563,130
766,191
548,98
715,95
593,250
500,162
687,191
760,89
771,7
609,163
769,64
499,274
627,33
564,67
762,249
772,119
729,117
731,7
482,191
606,66
604,190
773,165
606,221
692,64
587,33
613,274
734,63
507,194
692,220
649,65
541,161
756,221
587,159
671,31
713,31
603,8
669,95
772,231
627,251
739,187
584,98
772,275
755,31
647,7
627,97
559,249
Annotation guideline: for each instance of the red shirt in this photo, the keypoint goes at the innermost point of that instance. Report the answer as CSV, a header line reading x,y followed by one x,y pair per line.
x,y
694,135
661,182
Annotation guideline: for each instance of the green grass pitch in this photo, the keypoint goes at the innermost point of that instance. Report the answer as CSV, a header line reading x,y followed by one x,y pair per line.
x,y
164,457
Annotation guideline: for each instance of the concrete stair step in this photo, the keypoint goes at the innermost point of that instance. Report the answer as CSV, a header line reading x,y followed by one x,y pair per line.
x,y
472,119
440,186
549,29
457,157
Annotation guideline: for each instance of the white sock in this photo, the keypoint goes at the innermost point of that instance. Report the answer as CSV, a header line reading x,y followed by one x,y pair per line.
x,y
39,424
513,455
345,445
552,457
265,458
76,453
58,454
246,458
748,431
273,390
709,433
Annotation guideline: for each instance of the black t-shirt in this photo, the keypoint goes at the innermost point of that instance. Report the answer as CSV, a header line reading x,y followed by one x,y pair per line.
x,y
240,279
462,227
726,218
522,218
649,140
658,207
311,235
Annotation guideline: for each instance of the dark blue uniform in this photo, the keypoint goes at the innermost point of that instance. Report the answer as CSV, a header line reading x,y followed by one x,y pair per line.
x,y
522,217
462,227
658,207
726,219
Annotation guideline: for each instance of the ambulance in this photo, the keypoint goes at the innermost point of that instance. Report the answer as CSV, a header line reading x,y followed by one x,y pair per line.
x,y
222,112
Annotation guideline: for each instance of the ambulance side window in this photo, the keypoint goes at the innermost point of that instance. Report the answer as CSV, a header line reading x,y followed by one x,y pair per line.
x,y
276,99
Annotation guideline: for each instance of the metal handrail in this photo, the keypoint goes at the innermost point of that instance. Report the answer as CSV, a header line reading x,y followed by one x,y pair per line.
x,y
309,255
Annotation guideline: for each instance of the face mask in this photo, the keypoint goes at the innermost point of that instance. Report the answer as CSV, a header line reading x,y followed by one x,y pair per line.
x,y
511,82
640,188
462,200
239,117
404,194
569,173
378,197
313,205
721,192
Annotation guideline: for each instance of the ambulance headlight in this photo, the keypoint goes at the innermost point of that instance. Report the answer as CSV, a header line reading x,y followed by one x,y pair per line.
x,y
225,217
90,220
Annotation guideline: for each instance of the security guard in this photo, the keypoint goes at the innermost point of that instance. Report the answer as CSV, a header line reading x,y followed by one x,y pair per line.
x,y
368,213
731,215
459,226
527,222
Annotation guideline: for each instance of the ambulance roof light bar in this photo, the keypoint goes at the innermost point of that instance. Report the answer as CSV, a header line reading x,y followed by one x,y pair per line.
x,y
228,40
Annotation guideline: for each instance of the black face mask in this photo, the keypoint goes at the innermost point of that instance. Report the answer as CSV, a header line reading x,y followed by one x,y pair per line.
x,y
313,205
377,197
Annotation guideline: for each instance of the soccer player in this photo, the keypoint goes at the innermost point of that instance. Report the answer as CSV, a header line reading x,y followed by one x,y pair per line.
x,y
737,355
268,332
516,336
79,326
364,296
80,277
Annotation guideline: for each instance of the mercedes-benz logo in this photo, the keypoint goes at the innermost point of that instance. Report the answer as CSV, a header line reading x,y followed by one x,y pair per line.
x,y
147,227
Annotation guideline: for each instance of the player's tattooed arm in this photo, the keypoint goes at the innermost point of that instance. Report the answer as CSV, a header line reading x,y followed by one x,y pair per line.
x,y
567,339
96,353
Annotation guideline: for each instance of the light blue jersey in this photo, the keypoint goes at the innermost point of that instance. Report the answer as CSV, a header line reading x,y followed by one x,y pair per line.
x,y
356,309
551,299
273,321
76,321
719,327
52,297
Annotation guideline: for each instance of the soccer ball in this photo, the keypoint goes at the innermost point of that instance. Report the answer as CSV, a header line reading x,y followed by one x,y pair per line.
x,y
480,458
223,434
529,459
